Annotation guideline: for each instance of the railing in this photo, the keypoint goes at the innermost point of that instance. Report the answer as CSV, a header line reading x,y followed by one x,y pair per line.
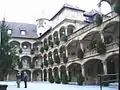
x,y
110,47
90,26
108,78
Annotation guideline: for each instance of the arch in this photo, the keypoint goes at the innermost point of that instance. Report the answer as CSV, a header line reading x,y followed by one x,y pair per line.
x,y
50,39
37,75
26,61
26,45
28,72
62,49
72,48
114,25
70,29
26,57
45,75
111,32
50,58
15,43
50,75
90,40
92,68
62,32
56,75
12,75
112,63
92,33
74,70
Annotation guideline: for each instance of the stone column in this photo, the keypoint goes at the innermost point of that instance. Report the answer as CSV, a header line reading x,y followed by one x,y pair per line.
x,y
31,76
81,46
67,72
102,36
66,52
7,79
20,45
105,67
83,70
83,74
66,31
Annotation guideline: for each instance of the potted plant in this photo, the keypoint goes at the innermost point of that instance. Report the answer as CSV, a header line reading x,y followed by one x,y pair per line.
x,y
101,47
98,19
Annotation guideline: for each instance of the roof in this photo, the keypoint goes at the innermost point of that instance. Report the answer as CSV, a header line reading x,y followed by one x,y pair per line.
x,y
45,33
31,29
66,6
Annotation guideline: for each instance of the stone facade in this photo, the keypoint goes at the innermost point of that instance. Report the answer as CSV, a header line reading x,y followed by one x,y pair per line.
x,y
70,47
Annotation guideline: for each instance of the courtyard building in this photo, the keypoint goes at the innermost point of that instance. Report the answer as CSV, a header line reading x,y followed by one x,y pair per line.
x,y
70,49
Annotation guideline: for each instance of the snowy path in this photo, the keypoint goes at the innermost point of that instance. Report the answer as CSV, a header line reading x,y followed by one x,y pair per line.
x,y
49,86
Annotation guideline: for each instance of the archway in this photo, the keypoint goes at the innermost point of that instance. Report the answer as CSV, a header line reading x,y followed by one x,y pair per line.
x,y
93,68
29,74
113,64
26,61
56,75
37,75
74,71
111,32
26,45
12,75
45,75
63,74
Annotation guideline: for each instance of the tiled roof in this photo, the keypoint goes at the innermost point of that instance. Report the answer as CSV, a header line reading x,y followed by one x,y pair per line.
x,y
31,29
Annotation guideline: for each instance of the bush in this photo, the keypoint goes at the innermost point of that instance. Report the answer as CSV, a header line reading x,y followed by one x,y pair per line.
x,y
46,63
32,65
20,65
80,80
51,44
51,61
116,8
51,79
57,59
57,41
57,79
46,47
80,53
32,51
65,59
64,78
101,47
42,50
20,51
64,38
98,19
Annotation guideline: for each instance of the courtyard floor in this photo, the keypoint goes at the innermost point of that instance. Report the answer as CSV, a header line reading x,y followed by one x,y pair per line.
x,y
53,86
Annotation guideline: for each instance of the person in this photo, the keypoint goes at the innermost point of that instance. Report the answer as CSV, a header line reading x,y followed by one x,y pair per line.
x,y
18,77
25,79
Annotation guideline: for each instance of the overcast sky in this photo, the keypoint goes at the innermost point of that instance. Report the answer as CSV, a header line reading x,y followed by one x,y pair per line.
x,y
29,11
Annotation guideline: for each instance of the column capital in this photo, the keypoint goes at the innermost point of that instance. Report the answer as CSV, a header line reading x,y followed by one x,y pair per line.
x,y
104,62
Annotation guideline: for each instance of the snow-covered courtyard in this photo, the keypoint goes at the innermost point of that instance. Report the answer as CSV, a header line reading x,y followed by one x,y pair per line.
x,y
53,86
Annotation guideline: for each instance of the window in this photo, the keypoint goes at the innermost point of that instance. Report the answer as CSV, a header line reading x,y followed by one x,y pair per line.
x,y
23,32
9,31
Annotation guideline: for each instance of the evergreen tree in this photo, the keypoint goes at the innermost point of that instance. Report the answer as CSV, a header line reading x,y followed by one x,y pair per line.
x,y
7,52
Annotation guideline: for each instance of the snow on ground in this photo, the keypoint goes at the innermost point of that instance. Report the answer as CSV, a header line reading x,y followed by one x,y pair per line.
x,y
53,86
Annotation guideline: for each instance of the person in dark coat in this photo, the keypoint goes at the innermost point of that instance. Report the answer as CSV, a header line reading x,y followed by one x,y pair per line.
x,y
18,79
25,79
